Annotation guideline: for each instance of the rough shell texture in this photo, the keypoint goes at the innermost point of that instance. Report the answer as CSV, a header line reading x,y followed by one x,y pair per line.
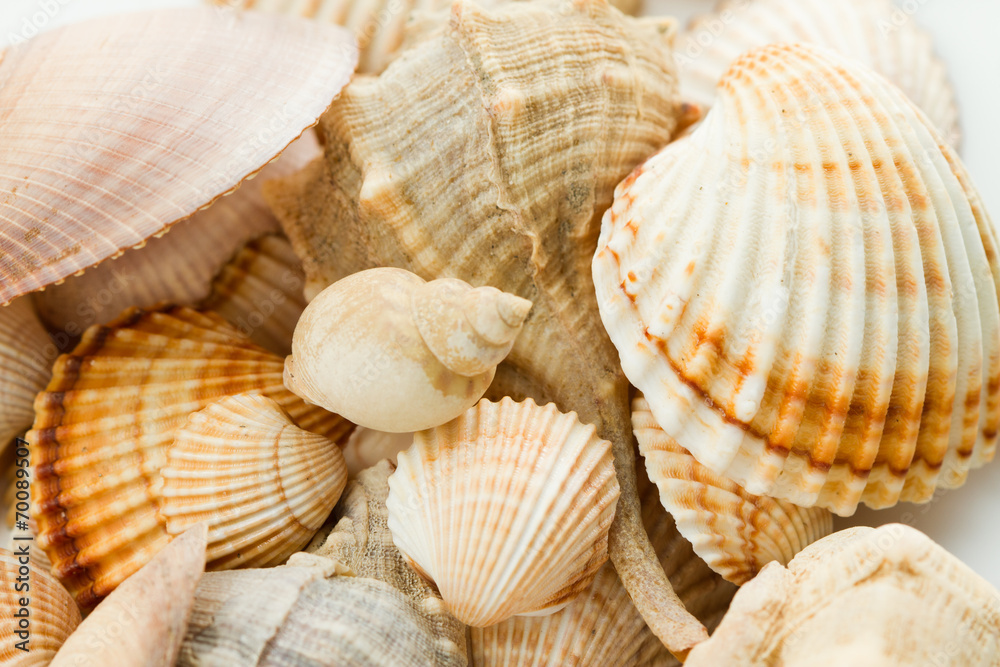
x,y
875,32
392,352
180,266
263,485
573,96
24,367
366,447
886,596
103,428
809,301
735,532
125,141
52,613
506,509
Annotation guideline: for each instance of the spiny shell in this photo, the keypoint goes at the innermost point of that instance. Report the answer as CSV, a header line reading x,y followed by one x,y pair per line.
x,y
103,427
139,120
570,95
52,614
24,367
735,532
392,352
367,447
263,485
506,509
809,301
874,32
886,596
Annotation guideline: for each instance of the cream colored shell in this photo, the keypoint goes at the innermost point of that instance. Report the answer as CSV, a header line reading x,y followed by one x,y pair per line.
x,y
26,356
808,300
366,447
506,509
394,353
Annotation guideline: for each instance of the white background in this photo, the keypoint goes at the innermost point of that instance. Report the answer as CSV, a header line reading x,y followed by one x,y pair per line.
x,y
966,520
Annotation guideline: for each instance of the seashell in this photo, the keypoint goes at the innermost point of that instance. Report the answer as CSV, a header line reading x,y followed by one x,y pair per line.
x,y
260,292
367,447
153,606
520,526
735,532
167,111
863,596
180,266
876,33
820,332
533,93
263,485
103,428
24,367
52,614
392,352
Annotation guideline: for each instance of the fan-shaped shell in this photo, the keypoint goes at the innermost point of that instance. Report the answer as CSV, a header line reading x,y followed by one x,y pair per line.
x,y
51,613
137,121
735,532
874,32
104,425
263,485
506,509
886,596
25,356
808,300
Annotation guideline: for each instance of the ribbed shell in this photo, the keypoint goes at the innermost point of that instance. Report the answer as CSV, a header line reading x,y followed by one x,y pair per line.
x,y
103,427
53,615
808,300
25,359
506,509
869,597
106,141
878,33
735,532
263,485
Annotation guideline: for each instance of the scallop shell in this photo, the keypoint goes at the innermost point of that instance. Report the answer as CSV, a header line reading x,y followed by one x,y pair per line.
x,y
735,532
809,301
875,32
886,596
506,509
103,428
139,120
52,614
181,265
532,93
25,361
367,447
263,485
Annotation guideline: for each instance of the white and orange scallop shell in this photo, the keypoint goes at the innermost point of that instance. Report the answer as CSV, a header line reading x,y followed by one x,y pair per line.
x,y
805,289
26,354
506,509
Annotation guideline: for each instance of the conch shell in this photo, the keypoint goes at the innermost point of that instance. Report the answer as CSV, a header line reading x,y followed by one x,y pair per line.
x,y
445,181
863,596
394,353
808,301
25,358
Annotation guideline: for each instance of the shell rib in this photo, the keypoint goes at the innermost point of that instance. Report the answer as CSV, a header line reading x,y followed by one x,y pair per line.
x,y
139,120
25,359
506,509
263,485
735,532
874,32
808,301
886,596
103,428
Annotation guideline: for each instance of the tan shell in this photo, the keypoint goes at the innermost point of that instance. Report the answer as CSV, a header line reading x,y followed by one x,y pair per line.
x,y
366,447
493,95
886,596
735,532
392,352
820,330
877,33
51,613
263,485
26,354
103,427
506,509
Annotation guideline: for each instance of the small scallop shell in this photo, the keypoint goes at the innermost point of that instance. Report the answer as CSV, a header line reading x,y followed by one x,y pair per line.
x,y
506,509
735,532
103,428
263,485
366,447
25,362
53,615
874,32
